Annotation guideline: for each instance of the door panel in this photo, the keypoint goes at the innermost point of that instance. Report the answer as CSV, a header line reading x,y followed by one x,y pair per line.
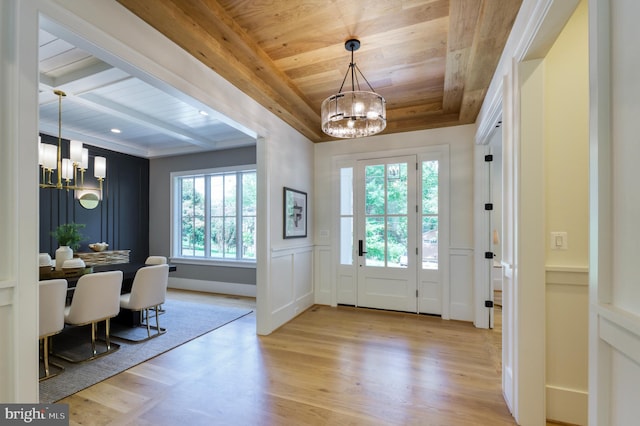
x,y
386,233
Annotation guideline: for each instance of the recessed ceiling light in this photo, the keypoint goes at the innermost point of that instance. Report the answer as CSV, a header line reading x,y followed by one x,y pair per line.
x,y
205,113
115,130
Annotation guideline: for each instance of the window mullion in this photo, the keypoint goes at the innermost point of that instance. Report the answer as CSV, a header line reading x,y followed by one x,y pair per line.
x,y
239,238
207,216
178,236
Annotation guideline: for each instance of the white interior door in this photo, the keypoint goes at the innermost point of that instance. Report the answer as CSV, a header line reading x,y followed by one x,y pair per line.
x,y
386,233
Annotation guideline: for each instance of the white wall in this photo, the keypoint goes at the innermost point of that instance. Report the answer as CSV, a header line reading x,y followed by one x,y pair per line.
x,y
614,334
285,285
566,145
460,142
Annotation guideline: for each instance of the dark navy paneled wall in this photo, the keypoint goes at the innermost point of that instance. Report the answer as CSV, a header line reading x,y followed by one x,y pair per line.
x,y
122,216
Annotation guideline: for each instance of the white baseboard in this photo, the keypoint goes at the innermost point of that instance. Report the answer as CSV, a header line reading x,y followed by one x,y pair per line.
x,y
567,405
235,289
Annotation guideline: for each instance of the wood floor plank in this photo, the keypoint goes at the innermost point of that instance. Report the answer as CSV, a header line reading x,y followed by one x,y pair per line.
x,y
342,365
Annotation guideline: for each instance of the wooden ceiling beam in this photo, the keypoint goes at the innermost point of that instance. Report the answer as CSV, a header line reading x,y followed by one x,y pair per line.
x,y
204,29
463,21
494,25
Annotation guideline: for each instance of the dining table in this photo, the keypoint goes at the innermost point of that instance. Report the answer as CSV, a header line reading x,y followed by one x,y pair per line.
x,y
128,274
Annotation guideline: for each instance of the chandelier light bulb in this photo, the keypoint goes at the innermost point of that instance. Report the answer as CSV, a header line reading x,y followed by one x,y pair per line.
x,y
355,113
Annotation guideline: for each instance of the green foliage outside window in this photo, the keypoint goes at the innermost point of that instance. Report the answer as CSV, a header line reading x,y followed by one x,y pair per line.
x,y
386,228
210,210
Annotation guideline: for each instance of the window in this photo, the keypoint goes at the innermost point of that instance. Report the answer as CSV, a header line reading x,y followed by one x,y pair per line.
x,y
430,188
346,216
215,215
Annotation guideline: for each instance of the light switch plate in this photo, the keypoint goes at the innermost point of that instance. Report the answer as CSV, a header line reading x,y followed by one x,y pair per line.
x,y
559,241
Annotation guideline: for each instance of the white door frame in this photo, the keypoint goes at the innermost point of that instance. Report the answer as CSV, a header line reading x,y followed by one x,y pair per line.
x,y
345,274
19,209
535,30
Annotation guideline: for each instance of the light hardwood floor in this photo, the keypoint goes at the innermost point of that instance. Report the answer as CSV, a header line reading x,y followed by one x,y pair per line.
x,y
329,366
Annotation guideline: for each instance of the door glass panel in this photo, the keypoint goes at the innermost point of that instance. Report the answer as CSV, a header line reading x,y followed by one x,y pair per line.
x,y
375,243
430,215
346,191
346,216
429,242
397,240
386,221
429,187
397,188
346,240
374,190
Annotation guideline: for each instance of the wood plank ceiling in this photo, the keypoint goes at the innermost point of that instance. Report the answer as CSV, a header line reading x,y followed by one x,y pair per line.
x,y
432,60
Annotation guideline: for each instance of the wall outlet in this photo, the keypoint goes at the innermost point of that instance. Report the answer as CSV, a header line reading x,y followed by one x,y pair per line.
x,y
559,241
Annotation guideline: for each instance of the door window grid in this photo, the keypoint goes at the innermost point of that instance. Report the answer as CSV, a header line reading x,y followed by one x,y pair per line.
x,y
429,237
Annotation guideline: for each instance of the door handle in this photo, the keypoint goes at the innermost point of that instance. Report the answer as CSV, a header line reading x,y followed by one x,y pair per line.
x,y
361,252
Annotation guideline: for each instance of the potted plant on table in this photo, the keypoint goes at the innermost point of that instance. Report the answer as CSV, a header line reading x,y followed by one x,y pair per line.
x,y
69,238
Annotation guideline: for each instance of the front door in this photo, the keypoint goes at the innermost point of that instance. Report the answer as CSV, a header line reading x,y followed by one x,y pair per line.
x,y
386,233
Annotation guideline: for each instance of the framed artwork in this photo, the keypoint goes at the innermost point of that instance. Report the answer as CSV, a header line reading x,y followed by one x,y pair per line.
x,y
295,213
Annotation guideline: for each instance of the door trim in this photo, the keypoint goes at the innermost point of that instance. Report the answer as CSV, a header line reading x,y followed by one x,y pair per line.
x,y
344,274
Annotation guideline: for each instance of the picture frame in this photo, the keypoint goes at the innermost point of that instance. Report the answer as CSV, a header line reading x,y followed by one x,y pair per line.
x,y
294,213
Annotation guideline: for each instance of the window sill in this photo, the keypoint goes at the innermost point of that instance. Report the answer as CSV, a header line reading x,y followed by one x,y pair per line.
x,y
214,262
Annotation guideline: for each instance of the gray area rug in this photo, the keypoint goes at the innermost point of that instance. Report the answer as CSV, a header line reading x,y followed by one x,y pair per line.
x,y
184,321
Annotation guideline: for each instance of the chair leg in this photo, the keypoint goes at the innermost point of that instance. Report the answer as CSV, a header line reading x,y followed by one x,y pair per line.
x,y
146,313
110,347
45,355
93,339
157,320
47,363
146,322
107,333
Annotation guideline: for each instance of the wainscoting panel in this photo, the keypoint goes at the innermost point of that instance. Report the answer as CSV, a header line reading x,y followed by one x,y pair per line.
x,y
303,275
347,289
323,276
620,330
461,286
282,291
567,318
291,283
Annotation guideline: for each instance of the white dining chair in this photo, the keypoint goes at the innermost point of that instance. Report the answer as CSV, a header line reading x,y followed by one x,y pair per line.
x,y
53,294
155,260
148,291
96,298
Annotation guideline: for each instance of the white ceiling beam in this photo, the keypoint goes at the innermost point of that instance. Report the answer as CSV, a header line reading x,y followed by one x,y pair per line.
x,y
106,106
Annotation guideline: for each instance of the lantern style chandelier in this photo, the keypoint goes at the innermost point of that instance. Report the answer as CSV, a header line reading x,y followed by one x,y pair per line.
x,y
357,113
69,172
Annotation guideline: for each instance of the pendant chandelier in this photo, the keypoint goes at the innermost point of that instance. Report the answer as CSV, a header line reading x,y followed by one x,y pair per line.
x,y
357,113
69,172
